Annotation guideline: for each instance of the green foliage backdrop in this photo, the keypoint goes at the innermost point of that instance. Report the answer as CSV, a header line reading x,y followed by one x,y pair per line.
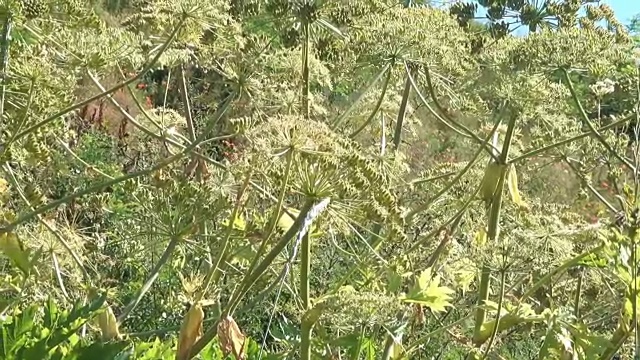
x,y
317,179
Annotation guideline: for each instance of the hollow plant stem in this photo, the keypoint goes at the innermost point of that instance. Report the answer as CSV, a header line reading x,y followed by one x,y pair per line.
x,y
305,270
251,278
402,113
493,232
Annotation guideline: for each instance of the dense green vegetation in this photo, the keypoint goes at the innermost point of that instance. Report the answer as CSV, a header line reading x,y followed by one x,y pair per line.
x,y
371,179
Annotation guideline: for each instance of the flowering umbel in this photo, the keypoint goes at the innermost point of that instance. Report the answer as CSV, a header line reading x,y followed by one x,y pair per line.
x,y
602,88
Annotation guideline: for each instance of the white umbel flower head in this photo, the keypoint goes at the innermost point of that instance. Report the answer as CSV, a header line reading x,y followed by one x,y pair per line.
x,y
602,88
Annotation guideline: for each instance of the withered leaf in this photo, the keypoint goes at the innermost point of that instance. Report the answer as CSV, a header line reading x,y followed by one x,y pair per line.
x,y
231,338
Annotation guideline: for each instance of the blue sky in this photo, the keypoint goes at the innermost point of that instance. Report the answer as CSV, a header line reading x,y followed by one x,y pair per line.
x,y
624,9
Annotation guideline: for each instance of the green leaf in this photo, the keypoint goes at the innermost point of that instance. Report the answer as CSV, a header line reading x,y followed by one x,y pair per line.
x,y
428,292
238,223
512,184
394,281
50,314
14,250
101,351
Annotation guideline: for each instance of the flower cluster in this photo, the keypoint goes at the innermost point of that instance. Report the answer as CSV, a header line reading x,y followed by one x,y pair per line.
x,y
602,88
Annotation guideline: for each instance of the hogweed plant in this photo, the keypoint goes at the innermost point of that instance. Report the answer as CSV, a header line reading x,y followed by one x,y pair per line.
x,y
399,188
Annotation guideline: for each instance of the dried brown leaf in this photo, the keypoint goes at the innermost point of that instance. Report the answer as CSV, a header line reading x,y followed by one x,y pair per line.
x,y
231,338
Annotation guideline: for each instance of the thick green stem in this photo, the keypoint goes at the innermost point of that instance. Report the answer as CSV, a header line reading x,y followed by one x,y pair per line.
x,y
397,134
493,232
305,327
251,278
481,313
305,269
